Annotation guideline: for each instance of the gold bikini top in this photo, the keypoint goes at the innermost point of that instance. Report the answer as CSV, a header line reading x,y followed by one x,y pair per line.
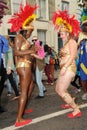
x,y
25,46
64,51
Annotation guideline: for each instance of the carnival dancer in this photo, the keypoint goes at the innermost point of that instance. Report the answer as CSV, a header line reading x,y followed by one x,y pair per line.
x,y
22,22
82,43
68,27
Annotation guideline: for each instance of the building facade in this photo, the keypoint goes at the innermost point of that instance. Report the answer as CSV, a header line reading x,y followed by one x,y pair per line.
x,y
43,24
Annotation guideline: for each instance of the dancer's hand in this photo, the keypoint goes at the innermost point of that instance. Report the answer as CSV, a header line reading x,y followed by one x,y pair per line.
x,y
9,71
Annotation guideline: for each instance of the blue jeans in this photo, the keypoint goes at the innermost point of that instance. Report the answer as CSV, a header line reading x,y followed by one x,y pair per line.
x,y
39,81
9,89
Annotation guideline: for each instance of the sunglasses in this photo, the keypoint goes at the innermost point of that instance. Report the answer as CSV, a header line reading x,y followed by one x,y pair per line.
x,y
34,40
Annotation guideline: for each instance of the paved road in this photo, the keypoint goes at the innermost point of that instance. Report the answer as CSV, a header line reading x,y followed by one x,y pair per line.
x,y
47,114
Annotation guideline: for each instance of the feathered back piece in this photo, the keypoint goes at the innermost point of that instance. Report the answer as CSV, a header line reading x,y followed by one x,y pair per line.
x,y
63,21
23,18
3,6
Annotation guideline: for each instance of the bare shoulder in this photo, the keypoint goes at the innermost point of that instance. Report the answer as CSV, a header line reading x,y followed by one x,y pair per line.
x,y
72,42
18,38
18,41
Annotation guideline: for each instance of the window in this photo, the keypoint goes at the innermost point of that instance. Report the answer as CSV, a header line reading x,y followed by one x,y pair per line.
x,y
16,5
65,5
32,2
42,9
51,8
42,36
11,34
8,11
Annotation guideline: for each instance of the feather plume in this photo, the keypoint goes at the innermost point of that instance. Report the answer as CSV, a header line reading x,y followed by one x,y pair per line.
x,y
62,18
23,17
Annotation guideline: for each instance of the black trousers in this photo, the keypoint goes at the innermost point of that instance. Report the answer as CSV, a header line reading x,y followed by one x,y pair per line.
x,y
78,86
4,77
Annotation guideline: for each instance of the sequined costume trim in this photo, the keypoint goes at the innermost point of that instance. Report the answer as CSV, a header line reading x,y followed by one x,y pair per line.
x,y
25,46
64,55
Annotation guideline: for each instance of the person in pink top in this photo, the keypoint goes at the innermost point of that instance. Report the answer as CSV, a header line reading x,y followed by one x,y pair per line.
x,y
40,64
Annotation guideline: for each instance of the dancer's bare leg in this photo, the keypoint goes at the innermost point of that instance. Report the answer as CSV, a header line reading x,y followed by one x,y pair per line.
x,y
61,88
31,87
25,79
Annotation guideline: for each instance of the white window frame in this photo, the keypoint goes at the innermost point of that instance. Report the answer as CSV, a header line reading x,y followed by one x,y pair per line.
x,y
11,35
40,10
42,35
65,5
17,3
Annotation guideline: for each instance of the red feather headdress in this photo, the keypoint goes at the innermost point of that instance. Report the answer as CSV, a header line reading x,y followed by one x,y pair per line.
x,y
22,19
62,20
3,6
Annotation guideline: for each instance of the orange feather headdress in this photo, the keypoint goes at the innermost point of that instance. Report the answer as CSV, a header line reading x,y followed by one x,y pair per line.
x,y
23,18
63,21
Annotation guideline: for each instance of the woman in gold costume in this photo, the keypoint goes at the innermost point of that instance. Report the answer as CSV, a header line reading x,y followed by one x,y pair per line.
x,y
68,53
22,22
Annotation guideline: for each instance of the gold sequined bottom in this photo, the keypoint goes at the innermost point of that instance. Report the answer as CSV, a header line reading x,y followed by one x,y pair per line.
x,y
72,68
24,63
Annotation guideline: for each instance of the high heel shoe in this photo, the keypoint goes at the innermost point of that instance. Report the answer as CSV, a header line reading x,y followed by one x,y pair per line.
x,y
70,115
65,106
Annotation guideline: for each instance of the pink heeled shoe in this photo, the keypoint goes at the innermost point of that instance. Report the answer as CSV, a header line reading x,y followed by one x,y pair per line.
x,y
70,115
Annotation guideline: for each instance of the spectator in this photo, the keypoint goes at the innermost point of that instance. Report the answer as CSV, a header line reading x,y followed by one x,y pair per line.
x,y
10,68
49,73
82,42
52,65
40,64
3,49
